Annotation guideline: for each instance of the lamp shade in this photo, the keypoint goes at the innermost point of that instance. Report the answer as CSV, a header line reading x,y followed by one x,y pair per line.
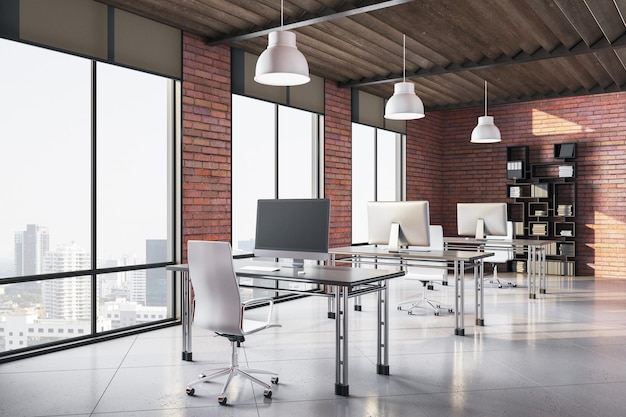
x,y
485,131
404,104
282,64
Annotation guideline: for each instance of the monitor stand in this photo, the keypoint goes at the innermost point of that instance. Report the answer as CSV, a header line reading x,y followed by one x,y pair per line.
x,y
394,238
295,263
480,229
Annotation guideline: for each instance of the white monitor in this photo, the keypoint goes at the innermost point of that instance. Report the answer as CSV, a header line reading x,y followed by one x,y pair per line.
x,y
293,228
398,223
481,219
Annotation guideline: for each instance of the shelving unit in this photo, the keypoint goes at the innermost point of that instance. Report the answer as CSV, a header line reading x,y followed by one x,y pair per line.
x,y
543,205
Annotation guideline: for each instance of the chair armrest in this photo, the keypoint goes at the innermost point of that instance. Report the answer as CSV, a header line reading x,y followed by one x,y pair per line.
x,y
260,301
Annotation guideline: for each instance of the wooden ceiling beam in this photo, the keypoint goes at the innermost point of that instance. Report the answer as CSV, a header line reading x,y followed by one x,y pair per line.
x,y
539,55
325,16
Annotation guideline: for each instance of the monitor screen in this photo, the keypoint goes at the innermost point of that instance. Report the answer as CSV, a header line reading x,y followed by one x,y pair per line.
x,y
293,228
481,219
398,223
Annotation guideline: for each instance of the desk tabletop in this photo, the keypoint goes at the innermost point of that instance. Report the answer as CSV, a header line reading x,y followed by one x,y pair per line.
x,y
478,242
426,255
310,274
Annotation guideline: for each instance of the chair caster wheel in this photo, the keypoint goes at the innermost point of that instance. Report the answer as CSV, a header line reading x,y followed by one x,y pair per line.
x,y
267,393
275,380
222,400
190,391
450,310
436,313
201,376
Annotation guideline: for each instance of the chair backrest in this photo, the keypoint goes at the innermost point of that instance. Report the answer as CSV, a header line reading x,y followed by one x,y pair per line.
x,y
215,286
431,269
502,251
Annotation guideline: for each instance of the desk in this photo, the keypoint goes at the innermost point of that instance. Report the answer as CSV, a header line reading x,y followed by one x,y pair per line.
x,y
459,260
536,249
342,282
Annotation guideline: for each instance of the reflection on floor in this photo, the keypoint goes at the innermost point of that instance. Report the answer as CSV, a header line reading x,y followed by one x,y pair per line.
x,y
563,354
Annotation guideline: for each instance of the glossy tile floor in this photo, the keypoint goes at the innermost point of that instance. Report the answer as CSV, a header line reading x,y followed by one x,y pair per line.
x,y
563,354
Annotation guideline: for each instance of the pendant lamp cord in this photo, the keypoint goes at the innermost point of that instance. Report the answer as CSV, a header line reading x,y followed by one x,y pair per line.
x,y
281,14
485,97
403,58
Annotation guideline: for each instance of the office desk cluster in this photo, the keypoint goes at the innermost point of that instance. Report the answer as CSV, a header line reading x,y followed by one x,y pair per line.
x,y
340,283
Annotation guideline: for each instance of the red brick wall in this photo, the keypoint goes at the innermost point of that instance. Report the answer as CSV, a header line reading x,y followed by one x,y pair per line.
x,y
206,132
473,172
424,179
338,162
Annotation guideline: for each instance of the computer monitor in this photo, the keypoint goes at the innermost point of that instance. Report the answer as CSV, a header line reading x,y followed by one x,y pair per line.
x,y
297,229
481,219
398,223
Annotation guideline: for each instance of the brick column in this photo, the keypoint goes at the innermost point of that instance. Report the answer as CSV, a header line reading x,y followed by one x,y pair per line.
x,y
338,162
206,148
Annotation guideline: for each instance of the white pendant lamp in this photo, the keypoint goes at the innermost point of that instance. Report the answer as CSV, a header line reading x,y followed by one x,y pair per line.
x,y
404,104
282,64
485,131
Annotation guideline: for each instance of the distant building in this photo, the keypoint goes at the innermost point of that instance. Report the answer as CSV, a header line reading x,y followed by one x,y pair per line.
x,y
123,313
156,282
31,248
22,329
67,298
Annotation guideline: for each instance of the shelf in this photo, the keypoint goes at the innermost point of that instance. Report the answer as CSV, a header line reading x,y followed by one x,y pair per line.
x,y
564,198
540,190
517,162
565,229
519,190
538,209
538,229
565,150
566,249
553,170
544,204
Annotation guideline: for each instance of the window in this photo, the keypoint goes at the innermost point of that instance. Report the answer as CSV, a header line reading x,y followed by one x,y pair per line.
x,y
377,167
92,148
283,145
48,162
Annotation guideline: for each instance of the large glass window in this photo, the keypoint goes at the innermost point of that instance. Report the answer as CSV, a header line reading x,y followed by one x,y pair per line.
x,y
77,159
377,166
275,154
253,165
45,162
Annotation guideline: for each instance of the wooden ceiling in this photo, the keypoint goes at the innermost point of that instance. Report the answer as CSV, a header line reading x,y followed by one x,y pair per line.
x,y
525,49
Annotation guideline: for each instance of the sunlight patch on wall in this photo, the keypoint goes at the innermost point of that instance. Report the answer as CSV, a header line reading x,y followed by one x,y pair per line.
x,y
546,124
607,251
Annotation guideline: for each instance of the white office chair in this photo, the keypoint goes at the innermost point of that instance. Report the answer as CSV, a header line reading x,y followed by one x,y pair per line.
x,y
502,253
218,307
427,273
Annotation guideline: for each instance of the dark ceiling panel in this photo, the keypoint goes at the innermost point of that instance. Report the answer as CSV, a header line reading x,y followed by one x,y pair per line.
x,y
525,49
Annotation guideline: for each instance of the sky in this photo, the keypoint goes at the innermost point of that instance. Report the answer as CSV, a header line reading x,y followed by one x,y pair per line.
x,y
45,151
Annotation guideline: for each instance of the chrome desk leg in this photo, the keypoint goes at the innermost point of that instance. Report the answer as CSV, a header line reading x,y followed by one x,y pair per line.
x,y
532,272
479,296
357,299
342,386
382,363
543,279
186,304
459,275
331,307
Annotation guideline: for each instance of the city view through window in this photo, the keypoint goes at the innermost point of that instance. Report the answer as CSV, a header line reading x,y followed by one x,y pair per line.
x,y
61,177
